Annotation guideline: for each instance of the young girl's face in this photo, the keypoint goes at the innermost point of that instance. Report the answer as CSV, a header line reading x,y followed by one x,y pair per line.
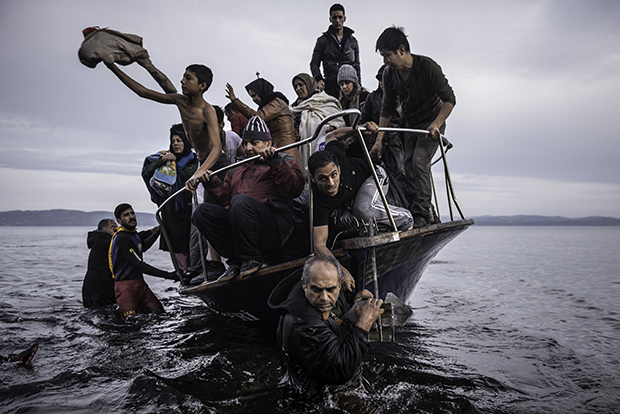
x,y
347,87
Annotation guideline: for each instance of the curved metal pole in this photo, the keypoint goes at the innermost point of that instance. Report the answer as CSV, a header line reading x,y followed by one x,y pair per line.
x,y
376,178
446,142
435,195
449,185
201,245
247,160
160,220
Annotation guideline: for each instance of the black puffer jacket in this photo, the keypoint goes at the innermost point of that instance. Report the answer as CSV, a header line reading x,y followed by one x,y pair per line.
x,y
315,352
98,286
334,54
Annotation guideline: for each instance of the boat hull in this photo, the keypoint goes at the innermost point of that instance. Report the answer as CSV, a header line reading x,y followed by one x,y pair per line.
x,y
401,259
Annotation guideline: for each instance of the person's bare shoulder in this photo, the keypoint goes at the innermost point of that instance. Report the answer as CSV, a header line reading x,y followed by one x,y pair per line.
x,y
178,98
208,112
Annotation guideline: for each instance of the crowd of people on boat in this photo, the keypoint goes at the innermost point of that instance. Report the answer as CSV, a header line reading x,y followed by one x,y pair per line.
x,y
248,213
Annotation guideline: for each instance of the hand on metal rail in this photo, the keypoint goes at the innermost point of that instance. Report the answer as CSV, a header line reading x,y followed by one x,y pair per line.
x,y
434,132
192,183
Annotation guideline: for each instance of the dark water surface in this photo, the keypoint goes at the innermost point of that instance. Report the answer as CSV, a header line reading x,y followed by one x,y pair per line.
x,y
507,320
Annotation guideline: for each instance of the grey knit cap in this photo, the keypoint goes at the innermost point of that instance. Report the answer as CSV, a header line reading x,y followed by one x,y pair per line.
x,y
348,73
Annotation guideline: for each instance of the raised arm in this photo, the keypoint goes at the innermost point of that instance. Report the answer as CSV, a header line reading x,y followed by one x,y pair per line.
x,y
140,89
319,235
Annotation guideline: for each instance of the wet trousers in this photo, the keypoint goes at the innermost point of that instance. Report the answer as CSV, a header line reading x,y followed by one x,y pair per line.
x,y
419,151
133,297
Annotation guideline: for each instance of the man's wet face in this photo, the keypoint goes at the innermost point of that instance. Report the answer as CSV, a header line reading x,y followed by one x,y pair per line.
x,y
322,287
128,219
327,179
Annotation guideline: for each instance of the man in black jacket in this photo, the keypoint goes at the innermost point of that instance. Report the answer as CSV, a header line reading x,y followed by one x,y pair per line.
x,y
98,286
320,347
334,48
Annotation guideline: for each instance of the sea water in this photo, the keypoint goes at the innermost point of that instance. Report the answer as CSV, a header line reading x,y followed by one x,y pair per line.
x,y
506,320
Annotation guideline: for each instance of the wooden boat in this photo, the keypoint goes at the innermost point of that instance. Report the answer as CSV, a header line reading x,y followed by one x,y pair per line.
x,y
401,259
385,263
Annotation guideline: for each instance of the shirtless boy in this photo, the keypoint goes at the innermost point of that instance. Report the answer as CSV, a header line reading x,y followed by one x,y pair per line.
x,y
198,116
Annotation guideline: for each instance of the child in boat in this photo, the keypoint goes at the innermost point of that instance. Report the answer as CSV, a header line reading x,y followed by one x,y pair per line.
x,y
198,116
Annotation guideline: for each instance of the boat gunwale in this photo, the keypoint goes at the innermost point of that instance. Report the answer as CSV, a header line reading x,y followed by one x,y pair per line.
x,y
342,250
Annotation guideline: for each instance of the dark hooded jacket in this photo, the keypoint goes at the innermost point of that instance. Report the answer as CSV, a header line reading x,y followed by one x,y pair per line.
x,y
98,286
176,214
315,350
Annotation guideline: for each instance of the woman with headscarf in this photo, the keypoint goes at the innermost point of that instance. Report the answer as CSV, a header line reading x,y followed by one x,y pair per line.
x,y
310,108
179,163
272,108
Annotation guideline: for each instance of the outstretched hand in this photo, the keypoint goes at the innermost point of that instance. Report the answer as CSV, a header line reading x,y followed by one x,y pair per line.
x,y
230,92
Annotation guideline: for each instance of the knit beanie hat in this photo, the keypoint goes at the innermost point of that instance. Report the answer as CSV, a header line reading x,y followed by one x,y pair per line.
x,y
347,73
256,129
308,80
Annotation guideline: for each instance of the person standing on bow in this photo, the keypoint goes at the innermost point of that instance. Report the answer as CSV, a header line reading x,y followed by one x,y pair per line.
x,y
335,47
427,100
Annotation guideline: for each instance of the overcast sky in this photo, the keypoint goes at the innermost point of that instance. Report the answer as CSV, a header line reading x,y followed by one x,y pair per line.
x,y
535,128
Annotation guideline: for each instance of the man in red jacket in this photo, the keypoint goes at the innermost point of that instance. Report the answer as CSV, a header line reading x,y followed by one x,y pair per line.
x,y
253,215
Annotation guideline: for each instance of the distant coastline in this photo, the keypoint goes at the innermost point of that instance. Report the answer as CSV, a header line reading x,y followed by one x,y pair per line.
x,y
63,218
59,217
528,220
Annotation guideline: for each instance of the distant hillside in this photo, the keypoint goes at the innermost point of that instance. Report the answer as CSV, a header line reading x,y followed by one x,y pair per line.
x,y
65,218
545,221
81,218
